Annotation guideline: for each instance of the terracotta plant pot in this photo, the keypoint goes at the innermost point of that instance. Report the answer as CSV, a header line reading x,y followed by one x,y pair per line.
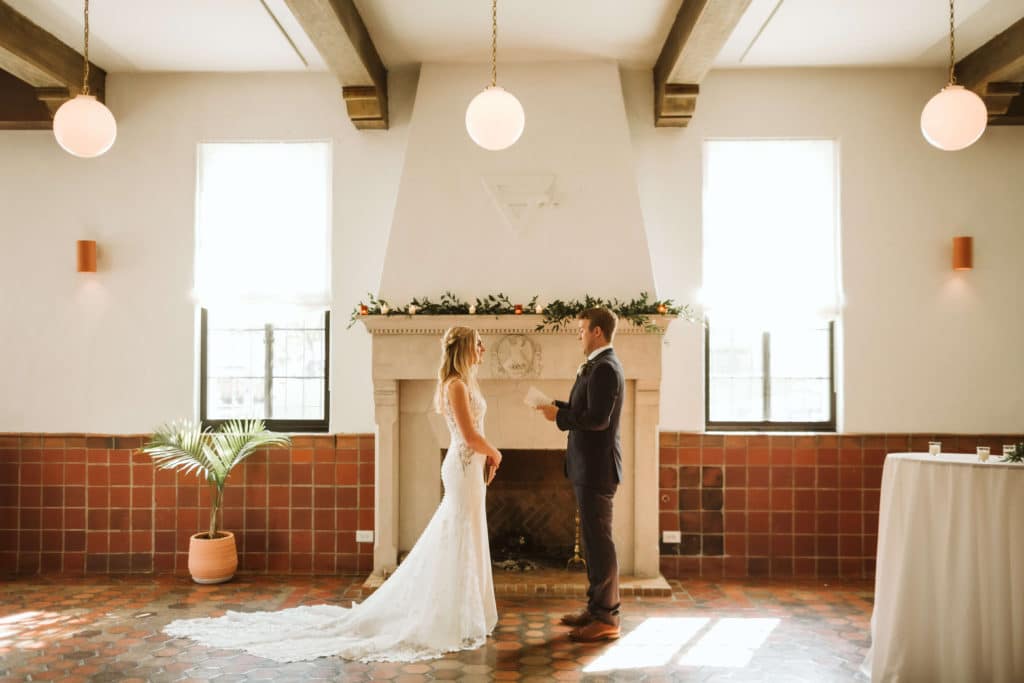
x,y
212,561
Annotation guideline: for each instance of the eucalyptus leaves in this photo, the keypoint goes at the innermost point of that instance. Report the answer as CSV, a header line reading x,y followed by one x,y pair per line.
x,y
557,313
1017,455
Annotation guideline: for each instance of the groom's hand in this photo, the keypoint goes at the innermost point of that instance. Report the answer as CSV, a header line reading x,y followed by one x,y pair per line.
x,y
549,411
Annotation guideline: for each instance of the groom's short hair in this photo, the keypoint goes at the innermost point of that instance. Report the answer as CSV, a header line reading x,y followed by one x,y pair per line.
x,y
601,317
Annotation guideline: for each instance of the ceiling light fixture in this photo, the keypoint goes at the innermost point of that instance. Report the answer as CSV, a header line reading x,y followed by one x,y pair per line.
x,y
83,126
494,118
956,117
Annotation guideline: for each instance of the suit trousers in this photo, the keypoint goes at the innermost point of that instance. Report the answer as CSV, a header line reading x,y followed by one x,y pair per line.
x,y
599,551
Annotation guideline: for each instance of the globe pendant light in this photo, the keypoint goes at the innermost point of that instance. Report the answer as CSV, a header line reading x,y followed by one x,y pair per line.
x,y
956,117
494,118
83,126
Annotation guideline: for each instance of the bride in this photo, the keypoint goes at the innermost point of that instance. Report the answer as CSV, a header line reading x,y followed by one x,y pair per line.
x,y
441,598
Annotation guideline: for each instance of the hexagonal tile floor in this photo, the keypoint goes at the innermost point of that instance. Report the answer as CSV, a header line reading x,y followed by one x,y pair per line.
x,y
109,629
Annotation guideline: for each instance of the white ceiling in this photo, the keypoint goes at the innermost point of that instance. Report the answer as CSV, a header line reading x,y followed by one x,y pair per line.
x,y
241,35
628,31
862,32
178,35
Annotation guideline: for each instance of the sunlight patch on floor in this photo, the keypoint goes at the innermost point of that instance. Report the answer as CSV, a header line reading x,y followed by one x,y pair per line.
x,y
730,643
34,630
725,643
651,644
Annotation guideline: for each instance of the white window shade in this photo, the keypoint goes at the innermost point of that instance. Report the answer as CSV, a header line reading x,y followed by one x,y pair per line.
x,y
770,232
263,225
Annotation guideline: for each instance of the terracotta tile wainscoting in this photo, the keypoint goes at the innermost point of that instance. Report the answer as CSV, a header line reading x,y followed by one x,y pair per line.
x,y
746,505
73,504
780,505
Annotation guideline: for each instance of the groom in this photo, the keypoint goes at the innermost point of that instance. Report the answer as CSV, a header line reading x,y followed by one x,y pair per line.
x,y
593,465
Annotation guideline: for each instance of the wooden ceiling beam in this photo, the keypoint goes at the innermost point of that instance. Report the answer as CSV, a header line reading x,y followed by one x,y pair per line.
x,y
1014,115
999,97
40,59
339,34
20,106
700,29
999,60
38,73
996,72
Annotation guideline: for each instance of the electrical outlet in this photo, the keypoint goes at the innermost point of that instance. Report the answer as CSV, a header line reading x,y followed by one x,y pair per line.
x,y
671,536
364,536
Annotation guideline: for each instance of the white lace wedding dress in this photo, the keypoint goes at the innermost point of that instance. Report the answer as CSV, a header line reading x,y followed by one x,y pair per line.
x,y
440,599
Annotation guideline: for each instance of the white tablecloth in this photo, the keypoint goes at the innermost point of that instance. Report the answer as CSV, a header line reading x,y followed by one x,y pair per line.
x,y
949,580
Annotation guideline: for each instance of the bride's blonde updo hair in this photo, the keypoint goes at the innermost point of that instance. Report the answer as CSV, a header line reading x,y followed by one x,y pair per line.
x,y
458,353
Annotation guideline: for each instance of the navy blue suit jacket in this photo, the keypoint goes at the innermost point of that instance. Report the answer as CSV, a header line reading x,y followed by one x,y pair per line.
x,y
593,458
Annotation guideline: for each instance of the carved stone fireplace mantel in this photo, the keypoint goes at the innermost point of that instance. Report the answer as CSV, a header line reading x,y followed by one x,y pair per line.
x,y
406,352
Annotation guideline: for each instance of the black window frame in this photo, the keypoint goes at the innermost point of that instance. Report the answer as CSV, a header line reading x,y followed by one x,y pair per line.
x,y
769,425
321,425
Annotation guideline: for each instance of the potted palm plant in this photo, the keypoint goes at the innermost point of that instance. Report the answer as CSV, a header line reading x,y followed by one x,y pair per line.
x,y
186,446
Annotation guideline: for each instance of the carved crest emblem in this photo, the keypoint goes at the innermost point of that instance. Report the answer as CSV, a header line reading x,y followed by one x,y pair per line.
x,y
517,356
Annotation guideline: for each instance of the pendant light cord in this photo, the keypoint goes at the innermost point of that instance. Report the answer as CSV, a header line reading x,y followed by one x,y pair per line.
x,y
494,43
952,43
85,77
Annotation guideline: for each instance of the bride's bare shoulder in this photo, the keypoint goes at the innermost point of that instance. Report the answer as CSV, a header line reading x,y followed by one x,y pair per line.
x,y
456,387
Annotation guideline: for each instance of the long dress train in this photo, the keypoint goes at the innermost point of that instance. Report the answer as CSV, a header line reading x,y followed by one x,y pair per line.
x,y
440,598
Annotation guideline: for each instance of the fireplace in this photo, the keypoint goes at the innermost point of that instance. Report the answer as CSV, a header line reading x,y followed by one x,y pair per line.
x,y
410,433
531,508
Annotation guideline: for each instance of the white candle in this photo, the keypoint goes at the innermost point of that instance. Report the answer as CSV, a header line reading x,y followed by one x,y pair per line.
x,y
934,447
983,453
472,309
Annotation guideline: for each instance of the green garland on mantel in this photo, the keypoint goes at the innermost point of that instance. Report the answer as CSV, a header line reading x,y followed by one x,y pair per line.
x,y
557,314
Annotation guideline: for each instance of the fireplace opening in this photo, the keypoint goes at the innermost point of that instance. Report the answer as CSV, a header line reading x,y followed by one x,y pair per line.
x,y
531,511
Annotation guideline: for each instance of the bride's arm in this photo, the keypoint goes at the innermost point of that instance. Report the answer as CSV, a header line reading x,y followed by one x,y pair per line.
x,y
458,394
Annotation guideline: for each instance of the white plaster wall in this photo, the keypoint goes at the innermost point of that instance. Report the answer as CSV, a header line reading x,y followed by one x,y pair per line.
x,y
115,351
449,235
924,349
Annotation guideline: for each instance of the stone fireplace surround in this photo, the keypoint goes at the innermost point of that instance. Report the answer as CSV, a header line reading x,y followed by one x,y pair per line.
x,y
405,353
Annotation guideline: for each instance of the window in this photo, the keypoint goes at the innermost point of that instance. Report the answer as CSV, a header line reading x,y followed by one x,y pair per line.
x,y
262,278
272,370
771,287
781,379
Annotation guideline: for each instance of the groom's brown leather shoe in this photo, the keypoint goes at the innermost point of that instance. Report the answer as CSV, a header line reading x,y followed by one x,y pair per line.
x,y
581,618
594,631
